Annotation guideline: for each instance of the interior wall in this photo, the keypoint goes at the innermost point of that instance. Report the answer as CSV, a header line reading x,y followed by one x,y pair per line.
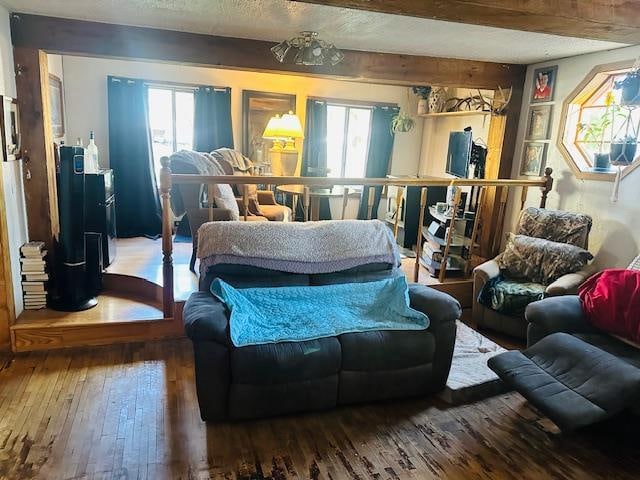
x,y
615,237
12,184
435,136
86,97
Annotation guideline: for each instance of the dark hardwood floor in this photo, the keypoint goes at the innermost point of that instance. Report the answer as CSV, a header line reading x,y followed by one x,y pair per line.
x,y
130,411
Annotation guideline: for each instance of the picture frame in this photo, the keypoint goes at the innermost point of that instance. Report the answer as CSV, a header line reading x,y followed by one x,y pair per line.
x,y
10,130
539,122
56,105
544,84
534,159
257,109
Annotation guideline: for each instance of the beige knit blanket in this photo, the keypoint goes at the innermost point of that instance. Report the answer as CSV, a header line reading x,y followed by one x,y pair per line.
x,y
309,247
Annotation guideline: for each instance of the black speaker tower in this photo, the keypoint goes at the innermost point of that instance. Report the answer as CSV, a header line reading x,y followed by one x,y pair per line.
x,y
73,290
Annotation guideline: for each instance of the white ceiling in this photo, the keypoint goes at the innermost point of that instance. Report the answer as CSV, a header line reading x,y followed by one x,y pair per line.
x,y
276,20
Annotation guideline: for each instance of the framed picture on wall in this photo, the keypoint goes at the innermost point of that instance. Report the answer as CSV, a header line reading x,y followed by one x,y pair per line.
x,y
544,84
257,109
534,159
538,122
56,104
10,129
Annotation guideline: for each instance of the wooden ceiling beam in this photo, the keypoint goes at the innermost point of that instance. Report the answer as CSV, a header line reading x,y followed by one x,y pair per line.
x,y
609,20
76,37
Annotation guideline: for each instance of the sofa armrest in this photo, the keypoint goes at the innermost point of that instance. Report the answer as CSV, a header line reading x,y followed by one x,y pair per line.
x,y
556,314
568,284
487,270
440,307
266,197
205,318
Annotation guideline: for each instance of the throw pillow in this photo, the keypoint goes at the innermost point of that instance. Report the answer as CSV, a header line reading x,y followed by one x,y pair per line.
x,y
224,198
611,301
252,193
541,261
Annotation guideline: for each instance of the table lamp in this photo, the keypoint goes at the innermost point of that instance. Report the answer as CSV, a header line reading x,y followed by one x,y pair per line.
x,y
285,129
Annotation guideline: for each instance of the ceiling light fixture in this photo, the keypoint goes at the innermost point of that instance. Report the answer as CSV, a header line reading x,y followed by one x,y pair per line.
x,y
309,50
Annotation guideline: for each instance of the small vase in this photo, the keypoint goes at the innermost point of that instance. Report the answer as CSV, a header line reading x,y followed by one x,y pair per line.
x,y
423,106
601,161
623,153
630,91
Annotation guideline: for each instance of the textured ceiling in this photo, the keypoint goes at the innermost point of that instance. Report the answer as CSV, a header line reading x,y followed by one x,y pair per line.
x,y
349,29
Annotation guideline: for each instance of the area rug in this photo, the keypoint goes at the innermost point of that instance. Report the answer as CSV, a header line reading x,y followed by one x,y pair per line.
x,y
470,379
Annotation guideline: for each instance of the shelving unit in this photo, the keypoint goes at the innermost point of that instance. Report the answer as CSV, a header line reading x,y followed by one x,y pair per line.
x,y
462,113
451,250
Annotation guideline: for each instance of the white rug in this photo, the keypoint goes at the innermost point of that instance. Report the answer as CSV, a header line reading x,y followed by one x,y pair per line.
x,y
470,378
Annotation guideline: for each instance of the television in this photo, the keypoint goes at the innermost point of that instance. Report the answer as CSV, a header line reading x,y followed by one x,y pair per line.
x,y
459,153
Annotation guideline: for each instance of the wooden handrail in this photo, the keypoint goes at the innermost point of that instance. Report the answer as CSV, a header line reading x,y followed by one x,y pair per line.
x,y
167,179
186,178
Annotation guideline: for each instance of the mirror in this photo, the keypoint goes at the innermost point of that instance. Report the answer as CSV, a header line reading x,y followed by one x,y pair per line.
x,y
257,109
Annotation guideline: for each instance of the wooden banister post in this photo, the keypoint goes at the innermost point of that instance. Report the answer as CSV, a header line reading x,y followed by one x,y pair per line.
x,y
345,201
370,201
423,206
245,200
305,203
396,223
167,238
523,196
548,186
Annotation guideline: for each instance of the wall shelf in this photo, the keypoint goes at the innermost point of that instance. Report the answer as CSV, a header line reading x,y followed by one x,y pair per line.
x,y
463,113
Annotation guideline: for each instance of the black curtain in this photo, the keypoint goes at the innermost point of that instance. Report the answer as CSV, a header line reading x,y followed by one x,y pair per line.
x,y
380,147
138,211
212,127
314,152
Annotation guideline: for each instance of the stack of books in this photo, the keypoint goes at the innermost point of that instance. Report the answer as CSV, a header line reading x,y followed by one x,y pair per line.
x,y
34,275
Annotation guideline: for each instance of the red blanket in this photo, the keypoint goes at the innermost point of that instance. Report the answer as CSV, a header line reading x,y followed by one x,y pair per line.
x,y
611,301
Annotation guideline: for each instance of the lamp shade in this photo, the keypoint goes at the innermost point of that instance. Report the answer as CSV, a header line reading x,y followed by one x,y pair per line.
x,y
273,129
290,126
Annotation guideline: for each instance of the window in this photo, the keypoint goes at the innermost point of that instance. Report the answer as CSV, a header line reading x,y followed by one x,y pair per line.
x,y
171,121
348,131
600,130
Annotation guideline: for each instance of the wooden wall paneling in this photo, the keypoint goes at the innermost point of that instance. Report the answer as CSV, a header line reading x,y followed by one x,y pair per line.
x,y
495,139
77,37
610,20
32,83
7,304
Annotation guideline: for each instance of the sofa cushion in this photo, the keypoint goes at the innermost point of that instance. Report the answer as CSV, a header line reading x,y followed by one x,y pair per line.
x,y
246,276
540,261
284,362
554,225
386,350
363,273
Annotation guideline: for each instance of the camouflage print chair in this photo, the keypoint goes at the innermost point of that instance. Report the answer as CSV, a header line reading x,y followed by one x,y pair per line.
x,y
537,226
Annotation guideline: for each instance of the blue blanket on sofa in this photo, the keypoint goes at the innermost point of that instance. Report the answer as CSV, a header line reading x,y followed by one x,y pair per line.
x,y
299,313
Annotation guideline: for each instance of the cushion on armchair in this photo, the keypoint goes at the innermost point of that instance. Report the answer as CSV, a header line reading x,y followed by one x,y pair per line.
x,y
540,261
554,225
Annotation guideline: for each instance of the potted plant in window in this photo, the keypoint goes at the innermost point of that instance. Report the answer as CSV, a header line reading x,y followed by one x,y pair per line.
x,y
623,150
594,134
423,103
630,86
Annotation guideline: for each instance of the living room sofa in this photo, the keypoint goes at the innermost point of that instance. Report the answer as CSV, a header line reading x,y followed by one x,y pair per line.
x,y
281,378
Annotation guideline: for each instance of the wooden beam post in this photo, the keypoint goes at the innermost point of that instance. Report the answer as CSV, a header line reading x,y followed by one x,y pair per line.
x,y
95,39
167,238
610,20
423,206
32,83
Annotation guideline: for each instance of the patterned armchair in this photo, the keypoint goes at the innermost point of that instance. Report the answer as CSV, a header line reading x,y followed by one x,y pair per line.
x,y
562,227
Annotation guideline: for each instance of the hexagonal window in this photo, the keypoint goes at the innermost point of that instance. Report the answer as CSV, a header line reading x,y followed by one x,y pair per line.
x,y
600,130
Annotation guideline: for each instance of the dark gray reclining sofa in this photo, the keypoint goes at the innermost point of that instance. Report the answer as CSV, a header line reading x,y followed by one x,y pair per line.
x,y
574,373
274,379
